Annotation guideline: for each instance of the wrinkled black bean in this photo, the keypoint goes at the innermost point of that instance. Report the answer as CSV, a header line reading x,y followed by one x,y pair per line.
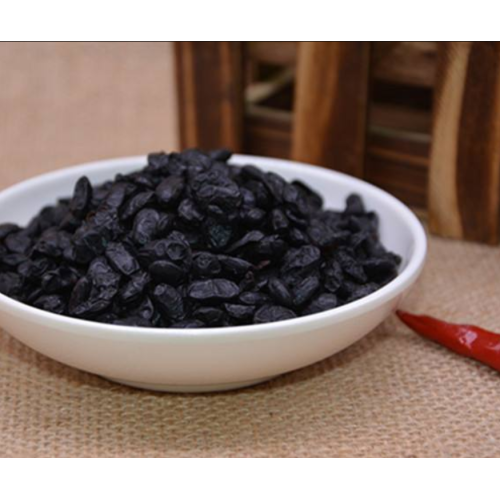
x,y
211,316
189,212
270,313
10,283
51,303
254,298
206,265
239,312
213,290
304,258
279,292
18,242
167,272
234,266
169,302
249,238
170,190
136,203
82,195
354,205
305,291
134,288
323,302
121,259
58,279
6,229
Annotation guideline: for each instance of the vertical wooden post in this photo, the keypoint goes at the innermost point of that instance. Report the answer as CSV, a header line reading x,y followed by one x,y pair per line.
x,y
210,90
331,100
464,185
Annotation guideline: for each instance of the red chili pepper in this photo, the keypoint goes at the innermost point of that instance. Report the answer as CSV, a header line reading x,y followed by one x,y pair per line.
x,y
467,340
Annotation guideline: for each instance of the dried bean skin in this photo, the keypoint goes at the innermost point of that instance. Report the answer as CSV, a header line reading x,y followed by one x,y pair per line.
x,y
214,290
169,302
269,314
121,259
82,196
170,190
193,241
280,292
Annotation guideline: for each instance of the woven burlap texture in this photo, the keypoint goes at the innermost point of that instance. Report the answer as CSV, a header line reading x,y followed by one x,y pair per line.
x,y
391,394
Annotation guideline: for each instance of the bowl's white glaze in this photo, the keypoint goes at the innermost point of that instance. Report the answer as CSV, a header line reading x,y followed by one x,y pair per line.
x,y
215,358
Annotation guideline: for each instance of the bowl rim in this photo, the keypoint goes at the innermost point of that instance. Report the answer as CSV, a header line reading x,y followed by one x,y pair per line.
x,y
285,327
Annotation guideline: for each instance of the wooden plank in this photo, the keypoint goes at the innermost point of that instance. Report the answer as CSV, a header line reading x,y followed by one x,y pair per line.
x,y
277,53
464,188
398,163
210,91
331,105
396,117
267,132
407,63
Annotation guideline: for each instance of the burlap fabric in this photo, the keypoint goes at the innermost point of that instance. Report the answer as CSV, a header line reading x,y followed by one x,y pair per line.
x,y
392,394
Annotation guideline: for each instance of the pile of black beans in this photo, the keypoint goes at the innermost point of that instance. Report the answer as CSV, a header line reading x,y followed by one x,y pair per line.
x,y
193,241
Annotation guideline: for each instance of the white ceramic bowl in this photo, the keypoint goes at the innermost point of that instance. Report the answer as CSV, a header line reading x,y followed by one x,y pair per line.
x,y
212,358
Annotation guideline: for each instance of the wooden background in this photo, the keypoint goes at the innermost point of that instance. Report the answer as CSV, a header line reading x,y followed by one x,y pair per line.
x,y
419,119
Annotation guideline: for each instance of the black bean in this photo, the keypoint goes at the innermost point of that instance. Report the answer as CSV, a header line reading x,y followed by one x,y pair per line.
x,y
10,283
249,238
121,259
51,303
254,298
82,195
279,292
189,212
240,313
234,266
170,190
18,242
269,314
354,205
305,291
134,288
206,265
211,316
213,290
169,302
167,272
323,302
136,203
6,229
304,258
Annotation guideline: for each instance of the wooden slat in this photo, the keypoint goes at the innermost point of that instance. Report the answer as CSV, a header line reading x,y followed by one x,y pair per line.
x,y
464,186
398,163
277,53
210,90
267,132
331,104
407,63
400,118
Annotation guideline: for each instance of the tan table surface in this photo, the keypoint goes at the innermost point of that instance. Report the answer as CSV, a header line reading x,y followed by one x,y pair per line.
x,y
391,394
